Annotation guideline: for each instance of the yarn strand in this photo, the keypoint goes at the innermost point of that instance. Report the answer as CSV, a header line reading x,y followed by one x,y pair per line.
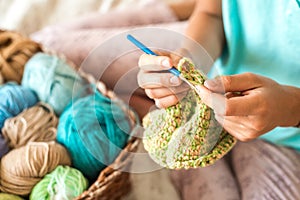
x,y
34,124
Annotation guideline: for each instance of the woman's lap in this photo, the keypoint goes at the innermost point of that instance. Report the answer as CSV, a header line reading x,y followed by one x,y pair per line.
x,y
252,170
266,171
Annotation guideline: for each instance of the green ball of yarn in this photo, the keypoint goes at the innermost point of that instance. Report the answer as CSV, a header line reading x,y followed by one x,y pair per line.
x,y
5,196
54,81
64,183
94,129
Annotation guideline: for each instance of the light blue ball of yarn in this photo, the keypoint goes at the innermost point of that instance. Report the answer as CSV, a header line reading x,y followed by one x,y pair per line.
x,y
14,99
94,129
54,81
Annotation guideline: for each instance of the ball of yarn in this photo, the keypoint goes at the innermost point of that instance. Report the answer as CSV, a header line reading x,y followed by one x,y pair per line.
x,y
24,167
54,80
15,50
36,124
63,183
4,196
14,99
94,129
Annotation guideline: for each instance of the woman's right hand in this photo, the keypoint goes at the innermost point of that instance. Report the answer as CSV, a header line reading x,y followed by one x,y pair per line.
x,y
160,85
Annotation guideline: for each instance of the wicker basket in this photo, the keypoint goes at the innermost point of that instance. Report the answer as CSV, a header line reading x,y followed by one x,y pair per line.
x,y
113,182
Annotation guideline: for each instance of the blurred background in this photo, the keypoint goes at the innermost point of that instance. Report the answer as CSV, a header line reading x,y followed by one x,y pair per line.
x,y
28,16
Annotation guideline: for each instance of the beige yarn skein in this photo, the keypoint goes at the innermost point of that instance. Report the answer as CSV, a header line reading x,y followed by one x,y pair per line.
x,y
36,124
15,51
24,167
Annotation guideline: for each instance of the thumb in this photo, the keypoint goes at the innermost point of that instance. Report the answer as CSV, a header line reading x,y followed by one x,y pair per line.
x,y
233,83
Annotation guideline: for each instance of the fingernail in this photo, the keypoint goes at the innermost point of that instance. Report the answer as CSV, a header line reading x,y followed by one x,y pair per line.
x,y
166,63
158,104
211,83
174,80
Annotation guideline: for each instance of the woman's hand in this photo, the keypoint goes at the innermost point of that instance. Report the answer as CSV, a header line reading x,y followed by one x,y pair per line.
x,y
159,84
249,105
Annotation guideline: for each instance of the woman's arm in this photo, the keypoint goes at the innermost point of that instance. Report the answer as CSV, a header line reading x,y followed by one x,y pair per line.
x,y
183,9
206,28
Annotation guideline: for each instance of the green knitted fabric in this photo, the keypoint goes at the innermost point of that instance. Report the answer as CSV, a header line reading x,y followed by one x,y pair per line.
x,y
187,134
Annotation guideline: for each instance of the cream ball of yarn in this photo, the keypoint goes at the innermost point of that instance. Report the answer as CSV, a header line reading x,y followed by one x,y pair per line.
x,y
36,124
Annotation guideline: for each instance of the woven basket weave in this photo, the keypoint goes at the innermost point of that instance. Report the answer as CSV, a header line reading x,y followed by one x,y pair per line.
x,y
113,182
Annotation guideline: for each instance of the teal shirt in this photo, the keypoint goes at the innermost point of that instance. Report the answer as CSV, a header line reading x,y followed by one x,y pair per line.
x,y
263,37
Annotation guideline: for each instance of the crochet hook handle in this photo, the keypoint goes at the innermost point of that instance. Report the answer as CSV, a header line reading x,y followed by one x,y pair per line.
x,y
145,49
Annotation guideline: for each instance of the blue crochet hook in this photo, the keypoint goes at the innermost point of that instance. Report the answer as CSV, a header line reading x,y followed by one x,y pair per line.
x,y
173,70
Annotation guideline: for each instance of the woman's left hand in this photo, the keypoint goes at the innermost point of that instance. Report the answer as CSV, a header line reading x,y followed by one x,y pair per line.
x,y
249,105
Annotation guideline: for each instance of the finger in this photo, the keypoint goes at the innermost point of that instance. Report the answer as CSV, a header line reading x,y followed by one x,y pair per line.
x,y
174,56
169,100
243,121
229,95
154,63
234,83
158,93
215,101
162,53
239,106
157,80
234,106
255,124
237,130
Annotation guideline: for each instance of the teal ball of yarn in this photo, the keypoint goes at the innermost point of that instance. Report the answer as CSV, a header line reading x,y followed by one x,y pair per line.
x,y
63,183
5,196
54,80
94,129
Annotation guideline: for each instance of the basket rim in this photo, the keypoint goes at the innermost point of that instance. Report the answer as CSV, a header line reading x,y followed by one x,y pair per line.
x,y
122,161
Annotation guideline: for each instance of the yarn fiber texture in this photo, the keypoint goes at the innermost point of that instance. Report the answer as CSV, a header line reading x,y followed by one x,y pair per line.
x,y
15,50
53,79
64,183
4,196
186,135
14,99
94,129
24,167
36,124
